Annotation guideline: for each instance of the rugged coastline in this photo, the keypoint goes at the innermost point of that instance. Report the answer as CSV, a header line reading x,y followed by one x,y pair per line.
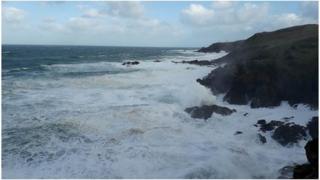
x,y
264,70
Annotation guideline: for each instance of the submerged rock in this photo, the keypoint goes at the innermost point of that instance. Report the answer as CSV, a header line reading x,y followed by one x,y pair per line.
x,y
238,132
131,63
286,172
289,133
205,112
262,139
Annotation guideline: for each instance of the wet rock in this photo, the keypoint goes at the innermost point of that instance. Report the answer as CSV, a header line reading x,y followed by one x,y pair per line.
x,y
262,139
286,172
131,63
205,112
197,62
268,68
304,171
288,118
268,126
309,170
261,122
238,132
312,152
312,127
289,133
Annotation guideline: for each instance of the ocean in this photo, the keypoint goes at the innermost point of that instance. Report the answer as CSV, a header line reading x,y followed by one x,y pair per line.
x,y
78,112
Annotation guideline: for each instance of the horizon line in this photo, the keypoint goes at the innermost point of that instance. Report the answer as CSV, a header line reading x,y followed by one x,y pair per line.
x,y
13,44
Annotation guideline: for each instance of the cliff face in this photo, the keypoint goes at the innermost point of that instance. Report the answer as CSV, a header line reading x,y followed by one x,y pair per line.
x,y
268,68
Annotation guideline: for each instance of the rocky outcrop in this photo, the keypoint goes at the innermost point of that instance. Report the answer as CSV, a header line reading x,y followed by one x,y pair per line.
x,y
289,133
268,68
196,62
205,112
309,170
282,132
217,47
313,127
131,63
264,126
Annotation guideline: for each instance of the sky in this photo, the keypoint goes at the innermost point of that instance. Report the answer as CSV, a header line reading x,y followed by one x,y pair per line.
x,y
147,23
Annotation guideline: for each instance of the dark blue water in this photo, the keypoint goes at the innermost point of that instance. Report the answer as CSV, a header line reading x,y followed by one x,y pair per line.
x,y
24,57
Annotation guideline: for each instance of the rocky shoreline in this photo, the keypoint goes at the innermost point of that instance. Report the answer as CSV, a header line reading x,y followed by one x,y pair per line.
x,y
262,71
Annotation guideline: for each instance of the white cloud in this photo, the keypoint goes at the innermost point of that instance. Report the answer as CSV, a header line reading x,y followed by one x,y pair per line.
x,y
222,4
128,9
197,14
50,24
13,15
224,14
93,13
81,23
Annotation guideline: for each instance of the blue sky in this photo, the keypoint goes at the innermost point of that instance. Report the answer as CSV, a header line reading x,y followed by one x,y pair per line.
x,y
147,23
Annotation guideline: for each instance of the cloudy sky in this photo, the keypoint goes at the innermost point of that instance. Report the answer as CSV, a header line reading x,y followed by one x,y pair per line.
x,y
169,24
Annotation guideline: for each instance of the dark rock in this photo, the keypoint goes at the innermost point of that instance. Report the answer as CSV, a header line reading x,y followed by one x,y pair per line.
x,y
309,170
286,172
238,132
304,171
312,152
131,63
197,62
156,61
205,112
312,127
245,114
289,133
217,47
268,126
262,139
268,68
261,122
288,118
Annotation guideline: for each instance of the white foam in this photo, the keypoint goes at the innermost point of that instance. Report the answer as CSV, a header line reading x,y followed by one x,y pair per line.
x,y
137,126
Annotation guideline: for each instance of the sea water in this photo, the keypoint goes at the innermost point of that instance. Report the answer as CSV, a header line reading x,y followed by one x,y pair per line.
x,y
77,112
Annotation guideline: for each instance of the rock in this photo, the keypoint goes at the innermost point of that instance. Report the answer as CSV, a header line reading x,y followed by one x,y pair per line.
x,y
309,170
287,118
197,62
289,133
312,127
131,63
304,171
245,114
312,152
217,47
205,112
268,126
262,139
238,132
268,68
156,61
261,122
286,172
